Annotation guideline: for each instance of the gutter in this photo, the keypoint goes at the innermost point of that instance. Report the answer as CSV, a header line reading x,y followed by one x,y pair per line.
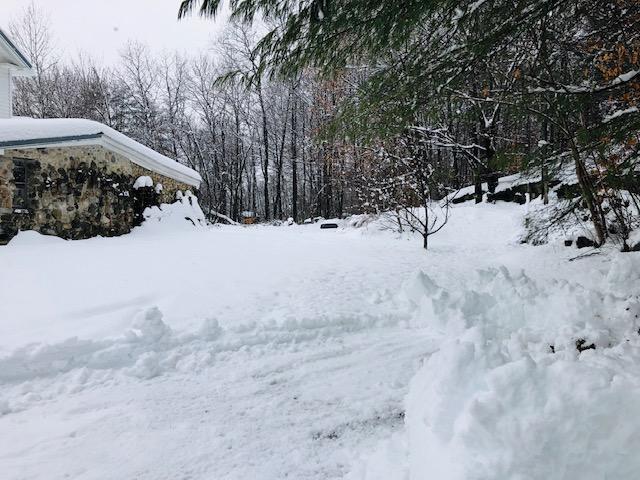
x,y
41,142
11,46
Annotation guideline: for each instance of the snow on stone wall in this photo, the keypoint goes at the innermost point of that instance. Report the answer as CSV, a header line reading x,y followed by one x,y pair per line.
x,y
184,213
77,192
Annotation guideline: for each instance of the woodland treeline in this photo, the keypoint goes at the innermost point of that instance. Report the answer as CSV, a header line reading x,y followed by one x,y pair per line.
x,y
255,141
349,106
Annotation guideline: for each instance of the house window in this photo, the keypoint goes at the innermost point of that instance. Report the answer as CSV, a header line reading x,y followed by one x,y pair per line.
x,y
21,169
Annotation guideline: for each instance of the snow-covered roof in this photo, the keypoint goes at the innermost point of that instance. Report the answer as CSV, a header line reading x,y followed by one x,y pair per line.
x,y
20,132
11,55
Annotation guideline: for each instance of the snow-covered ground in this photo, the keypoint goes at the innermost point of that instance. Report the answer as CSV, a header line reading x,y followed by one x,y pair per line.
x,y
289,352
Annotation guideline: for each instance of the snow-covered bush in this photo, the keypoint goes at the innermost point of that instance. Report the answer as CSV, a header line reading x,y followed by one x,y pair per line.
x,y
360,221
185,212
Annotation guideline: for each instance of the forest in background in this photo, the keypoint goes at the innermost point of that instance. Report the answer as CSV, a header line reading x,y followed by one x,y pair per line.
x,y
256,143
350,107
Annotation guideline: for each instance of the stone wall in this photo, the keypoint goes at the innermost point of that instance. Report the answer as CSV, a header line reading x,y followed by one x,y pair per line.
x,y
78,192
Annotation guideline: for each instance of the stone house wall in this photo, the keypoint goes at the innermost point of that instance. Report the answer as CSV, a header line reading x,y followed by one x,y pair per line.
x,y
78,192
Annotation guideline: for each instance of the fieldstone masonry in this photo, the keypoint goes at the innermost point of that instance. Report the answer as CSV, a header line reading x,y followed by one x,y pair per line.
x,y
6,192
78,192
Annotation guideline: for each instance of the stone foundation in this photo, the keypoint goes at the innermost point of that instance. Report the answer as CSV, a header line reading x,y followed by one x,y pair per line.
x,y
78,192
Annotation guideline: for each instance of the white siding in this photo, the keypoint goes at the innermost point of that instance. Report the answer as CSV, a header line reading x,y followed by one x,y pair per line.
x,y
5,92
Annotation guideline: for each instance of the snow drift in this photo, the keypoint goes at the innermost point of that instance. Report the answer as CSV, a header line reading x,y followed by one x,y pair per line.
x,y
185,212
531,381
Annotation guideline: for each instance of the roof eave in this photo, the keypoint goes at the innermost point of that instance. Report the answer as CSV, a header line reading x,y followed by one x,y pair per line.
x,y
22,63
148,163
43,142
110,144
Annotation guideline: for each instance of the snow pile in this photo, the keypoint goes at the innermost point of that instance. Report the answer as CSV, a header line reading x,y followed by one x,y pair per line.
x,y
150,348
531,380
31,238
634,239
184,212
360,221
142,182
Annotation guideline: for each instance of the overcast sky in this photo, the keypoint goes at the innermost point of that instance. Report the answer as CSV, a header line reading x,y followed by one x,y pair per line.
x,y
102,27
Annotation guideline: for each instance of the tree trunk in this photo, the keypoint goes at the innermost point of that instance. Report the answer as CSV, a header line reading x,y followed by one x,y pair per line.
x,y
303,159
223,179
477,181
265,159
589,197
294,163
544,173
425,232
277,206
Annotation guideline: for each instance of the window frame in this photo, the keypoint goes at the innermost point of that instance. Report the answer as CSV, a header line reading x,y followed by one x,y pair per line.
x,y
27,167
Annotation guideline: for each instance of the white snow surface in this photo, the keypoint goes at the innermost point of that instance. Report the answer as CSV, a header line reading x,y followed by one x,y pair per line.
x,y
18,129
508,394
165,219
143,182
294,352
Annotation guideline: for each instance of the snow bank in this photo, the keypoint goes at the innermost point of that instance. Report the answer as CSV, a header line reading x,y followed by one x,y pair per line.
x,y
150,348
531,381
634,239
29,238
185,212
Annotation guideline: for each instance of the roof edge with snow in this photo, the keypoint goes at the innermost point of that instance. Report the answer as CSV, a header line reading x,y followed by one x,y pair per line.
x,y
18,133
20,60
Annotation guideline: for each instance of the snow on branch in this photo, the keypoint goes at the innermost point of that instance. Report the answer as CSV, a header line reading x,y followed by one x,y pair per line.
x,y
619,113
581,89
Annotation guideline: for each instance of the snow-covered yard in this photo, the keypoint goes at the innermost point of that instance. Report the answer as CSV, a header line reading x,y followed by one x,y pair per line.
x,y
288,352
225,353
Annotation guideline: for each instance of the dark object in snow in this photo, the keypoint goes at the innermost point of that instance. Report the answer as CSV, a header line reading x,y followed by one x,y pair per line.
x,y
580,345
464,198
585,242
493,179
568,191
328,225
568,243
552,348
393,418
518,193
508,195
